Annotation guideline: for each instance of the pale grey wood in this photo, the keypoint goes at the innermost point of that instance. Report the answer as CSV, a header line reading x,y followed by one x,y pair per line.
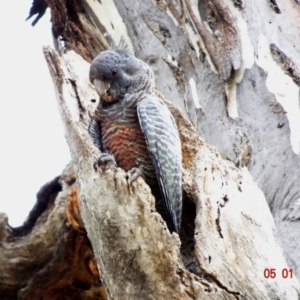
x,y
235,236
252,129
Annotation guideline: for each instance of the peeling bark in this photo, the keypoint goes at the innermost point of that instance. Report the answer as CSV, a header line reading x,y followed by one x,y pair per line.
x,y
221,39
286,64
132,245
274,6
46,258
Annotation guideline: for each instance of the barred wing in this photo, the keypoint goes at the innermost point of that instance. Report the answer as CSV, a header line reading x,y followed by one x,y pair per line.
x,y
95,133
162,137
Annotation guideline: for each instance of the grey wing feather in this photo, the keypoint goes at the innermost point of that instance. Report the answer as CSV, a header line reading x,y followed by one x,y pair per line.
x,y
162,137
95,133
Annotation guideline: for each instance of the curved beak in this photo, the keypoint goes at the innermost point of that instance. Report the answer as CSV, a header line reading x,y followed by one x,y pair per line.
x,y
101,87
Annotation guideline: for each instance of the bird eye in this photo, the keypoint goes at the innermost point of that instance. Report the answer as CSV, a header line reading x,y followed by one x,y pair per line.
x,y
114,72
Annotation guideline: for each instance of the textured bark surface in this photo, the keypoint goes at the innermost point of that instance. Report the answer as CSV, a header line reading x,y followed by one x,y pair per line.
x,y
233,69
46,258
134,250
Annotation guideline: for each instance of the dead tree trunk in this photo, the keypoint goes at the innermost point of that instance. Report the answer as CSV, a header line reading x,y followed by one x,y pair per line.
x,y
232,68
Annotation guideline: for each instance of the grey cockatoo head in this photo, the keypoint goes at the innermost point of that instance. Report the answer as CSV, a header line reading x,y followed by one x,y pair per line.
x,y
116,73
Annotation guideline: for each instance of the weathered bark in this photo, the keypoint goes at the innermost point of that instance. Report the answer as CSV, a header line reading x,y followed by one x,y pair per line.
x,y
135,251
218,61
46,258
121,217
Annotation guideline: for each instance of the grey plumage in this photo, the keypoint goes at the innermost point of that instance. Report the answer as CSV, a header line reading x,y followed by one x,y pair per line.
x,y
164,147
128,104
95,133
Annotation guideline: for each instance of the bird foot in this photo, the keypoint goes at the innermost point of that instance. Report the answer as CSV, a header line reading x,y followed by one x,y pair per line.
x,y
133,174
105,161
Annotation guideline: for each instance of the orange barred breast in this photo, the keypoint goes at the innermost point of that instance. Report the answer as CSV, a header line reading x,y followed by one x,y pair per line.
x,y
126,143
123,138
